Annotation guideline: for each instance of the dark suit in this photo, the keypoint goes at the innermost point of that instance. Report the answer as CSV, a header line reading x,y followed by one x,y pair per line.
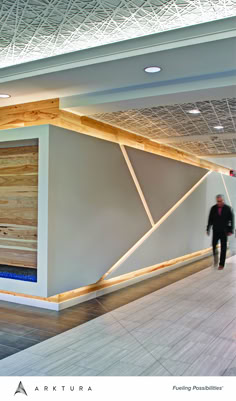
x,y
222,225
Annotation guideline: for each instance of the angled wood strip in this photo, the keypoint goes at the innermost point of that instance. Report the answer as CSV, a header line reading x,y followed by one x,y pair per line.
x,y
140,192
154,228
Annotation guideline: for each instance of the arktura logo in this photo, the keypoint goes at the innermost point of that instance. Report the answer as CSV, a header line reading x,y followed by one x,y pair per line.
x,y
20,389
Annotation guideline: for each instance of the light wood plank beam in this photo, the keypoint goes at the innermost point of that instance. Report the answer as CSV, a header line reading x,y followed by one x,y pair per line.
x,y
89,126
32,106
47,112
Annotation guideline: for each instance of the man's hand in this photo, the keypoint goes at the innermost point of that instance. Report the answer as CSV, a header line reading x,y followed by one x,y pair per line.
x,y
229,234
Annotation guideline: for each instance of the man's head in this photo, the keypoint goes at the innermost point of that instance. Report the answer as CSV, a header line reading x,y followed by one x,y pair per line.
x,y
220,200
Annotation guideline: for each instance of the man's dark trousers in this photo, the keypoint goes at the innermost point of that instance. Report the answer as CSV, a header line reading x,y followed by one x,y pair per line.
x,y
222,236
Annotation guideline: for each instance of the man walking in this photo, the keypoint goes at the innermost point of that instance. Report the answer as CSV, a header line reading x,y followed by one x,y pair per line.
x,y
222,221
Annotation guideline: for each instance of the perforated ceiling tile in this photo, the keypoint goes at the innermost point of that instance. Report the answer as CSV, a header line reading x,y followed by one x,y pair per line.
x,y
227,146
168,122
36,29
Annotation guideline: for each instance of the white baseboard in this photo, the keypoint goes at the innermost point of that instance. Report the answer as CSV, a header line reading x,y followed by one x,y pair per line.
x,y
38,303
77,300
115,287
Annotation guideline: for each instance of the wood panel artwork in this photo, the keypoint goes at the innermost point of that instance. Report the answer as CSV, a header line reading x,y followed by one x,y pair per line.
x,y
18,206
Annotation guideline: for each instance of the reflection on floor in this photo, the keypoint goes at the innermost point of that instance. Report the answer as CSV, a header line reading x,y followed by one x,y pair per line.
x,y
185,328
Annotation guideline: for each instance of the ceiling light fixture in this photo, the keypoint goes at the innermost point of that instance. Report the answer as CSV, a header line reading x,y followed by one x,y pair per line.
x,y
194,111
219,127
4,95
152,70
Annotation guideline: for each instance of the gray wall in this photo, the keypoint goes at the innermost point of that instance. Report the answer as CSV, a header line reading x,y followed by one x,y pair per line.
x,y
183,232
163,181
95,213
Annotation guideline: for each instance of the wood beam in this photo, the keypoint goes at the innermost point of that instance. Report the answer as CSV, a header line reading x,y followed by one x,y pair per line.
x,y
89,126
29,114
47,112
32,106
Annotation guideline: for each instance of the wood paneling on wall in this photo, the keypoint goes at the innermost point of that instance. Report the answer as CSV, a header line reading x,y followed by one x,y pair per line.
x,y
18,205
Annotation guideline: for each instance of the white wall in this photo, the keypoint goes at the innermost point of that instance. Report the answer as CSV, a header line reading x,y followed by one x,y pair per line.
x,y
95,212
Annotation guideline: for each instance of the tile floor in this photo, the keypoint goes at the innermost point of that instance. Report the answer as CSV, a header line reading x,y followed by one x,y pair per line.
x,y
187,328
22,326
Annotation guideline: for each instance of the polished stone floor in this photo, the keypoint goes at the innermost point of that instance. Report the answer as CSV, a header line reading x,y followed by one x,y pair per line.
x,y
180,323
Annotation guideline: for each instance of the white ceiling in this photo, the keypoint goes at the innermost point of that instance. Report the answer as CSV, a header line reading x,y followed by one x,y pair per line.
x,y
36,29
198,61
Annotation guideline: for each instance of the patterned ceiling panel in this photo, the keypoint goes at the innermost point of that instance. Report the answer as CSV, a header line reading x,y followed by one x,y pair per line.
x,y
36,29
213,147
168,122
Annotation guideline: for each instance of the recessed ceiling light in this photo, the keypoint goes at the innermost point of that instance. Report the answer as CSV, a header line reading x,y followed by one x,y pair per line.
x,y
4,95
219,127
194,111
152,70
